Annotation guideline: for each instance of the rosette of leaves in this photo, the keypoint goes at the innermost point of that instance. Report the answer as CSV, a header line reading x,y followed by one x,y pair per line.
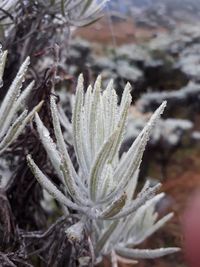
x,y
13,115
100,190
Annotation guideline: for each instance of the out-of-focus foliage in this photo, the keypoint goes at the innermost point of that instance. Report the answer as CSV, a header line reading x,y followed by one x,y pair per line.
x,y
74,12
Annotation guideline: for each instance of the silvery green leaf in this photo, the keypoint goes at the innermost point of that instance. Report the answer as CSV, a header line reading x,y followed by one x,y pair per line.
x,y
66,124
50,187
87,110
77,130
18,126
12,126
138,202
85,122
125,104
145,253
72,187
57,129
125,260
13,91
132,186
15,108
139,223
49,146
30,115
140,141
130,163
128,170
144,188
105,182
99,129
150,230
2,65
24,95
6,141
114,208
69,168
109,109
99,163
105,236
93,114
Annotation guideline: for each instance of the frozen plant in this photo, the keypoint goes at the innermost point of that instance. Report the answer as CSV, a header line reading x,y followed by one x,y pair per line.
x,y
100,190
12,122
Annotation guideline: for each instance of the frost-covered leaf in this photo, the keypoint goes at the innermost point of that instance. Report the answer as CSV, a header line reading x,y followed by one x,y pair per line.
x,y
3,56
145,253
12,126
49,186
49,146
13,91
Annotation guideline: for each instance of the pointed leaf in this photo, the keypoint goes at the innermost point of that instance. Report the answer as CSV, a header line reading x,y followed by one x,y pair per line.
x,y
49,186
145,253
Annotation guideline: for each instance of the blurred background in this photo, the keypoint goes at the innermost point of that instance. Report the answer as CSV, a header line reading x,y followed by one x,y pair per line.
x,y
156,46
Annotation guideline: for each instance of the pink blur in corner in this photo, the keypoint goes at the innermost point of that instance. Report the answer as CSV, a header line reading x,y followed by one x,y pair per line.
x,y
191,231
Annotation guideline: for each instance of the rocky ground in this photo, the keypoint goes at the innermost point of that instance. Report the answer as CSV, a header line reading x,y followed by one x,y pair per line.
x,y
123,31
